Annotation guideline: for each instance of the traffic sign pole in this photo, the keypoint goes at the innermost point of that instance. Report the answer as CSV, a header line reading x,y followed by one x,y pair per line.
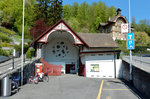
x,y
131,77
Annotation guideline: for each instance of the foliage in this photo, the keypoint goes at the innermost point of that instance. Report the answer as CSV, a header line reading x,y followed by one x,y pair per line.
x,y
141,49
40,27
141,42
18,48
4,53
5,37
47,13
122,45
29,54
143,26
7,31
49,10
87,16
5,44
142,39
12,14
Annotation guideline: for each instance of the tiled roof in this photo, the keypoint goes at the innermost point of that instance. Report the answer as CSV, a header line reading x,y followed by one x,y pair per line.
x,y
112,20
98,40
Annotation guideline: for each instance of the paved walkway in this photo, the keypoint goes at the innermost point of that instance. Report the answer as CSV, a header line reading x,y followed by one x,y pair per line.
x,y
75,87
8,65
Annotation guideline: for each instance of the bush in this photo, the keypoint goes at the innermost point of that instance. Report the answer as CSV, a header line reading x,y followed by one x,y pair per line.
x,y
5,44
7,31
29,54
18,48
5,38
122,45
4,53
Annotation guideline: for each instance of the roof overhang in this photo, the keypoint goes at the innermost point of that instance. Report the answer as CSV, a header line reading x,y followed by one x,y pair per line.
x,y
60,26
105,51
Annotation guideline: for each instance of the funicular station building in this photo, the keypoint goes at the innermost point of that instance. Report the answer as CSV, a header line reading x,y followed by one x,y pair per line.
x,y
62,50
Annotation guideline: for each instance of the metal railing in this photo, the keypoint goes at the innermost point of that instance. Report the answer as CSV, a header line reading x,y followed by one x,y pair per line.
x,y
141,61
7,67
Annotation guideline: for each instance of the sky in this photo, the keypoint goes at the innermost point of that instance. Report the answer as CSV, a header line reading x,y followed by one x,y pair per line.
x,y
140,9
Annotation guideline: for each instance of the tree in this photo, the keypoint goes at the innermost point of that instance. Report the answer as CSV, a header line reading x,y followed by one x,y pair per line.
x,y
111,12
87,16
142,39
74,24
12,14
66,12
82,15
38,29
74,9
49,10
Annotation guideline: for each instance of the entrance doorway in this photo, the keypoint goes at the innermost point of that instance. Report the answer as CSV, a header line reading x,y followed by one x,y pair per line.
x,y
69,68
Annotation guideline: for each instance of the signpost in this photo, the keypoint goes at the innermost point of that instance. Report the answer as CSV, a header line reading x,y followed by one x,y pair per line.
x,y
130,46
130,41
124,28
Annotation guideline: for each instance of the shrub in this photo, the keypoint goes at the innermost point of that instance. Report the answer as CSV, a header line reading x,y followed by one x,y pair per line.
x,y
5,44
29,54
7,31
5,37
4,53
18,48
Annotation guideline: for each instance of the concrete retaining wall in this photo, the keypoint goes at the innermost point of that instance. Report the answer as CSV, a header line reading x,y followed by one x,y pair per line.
x,y
141,79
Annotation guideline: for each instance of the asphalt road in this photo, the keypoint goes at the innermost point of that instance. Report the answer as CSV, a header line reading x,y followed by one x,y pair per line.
x,y
75,87
116,89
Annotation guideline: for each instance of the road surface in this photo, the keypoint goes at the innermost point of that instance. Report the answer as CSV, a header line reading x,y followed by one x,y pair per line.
x,y
75,87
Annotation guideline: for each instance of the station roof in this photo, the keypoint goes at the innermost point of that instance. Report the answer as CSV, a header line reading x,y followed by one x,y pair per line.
x,y
93,40
98,40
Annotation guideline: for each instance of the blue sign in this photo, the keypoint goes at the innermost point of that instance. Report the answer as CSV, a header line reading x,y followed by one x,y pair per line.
x,y
130,36
130,44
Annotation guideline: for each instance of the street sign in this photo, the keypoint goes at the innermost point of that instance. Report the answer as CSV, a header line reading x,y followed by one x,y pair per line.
x,y
130,36
130,44
124,28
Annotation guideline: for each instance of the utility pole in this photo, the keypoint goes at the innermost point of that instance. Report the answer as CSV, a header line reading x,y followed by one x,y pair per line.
x,y
22,63
131,77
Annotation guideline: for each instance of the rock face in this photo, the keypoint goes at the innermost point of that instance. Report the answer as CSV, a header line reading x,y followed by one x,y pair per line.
x,y
3,58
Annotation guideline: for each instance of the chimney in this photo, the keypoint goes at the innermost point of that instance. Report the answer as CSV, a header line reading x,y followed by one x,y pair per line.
x,y
118,11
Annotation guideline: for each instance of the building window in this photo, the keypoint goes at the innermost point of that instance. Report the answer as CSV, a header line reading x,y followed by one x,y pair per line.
x,y
119,28
92,54
116,33
119,34
116,28
119,23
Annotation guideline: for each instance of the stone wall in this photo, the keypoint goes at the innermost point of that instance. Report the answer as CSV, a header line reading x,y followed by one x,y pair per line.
x,y
141,79
29,70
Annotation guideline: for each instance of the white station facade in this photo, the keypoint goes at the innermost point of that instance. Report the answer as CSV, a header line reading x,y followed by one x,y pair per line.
x,y
88,54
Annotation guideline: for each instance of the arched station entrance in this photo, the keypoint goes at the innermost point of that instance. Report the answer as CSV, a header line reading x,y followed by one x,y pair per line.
x,y
60,46
61,50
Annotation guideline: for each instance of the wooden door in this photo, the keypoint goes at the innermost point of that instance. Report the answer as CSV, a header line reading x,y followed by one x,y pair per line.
x,y
67,68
